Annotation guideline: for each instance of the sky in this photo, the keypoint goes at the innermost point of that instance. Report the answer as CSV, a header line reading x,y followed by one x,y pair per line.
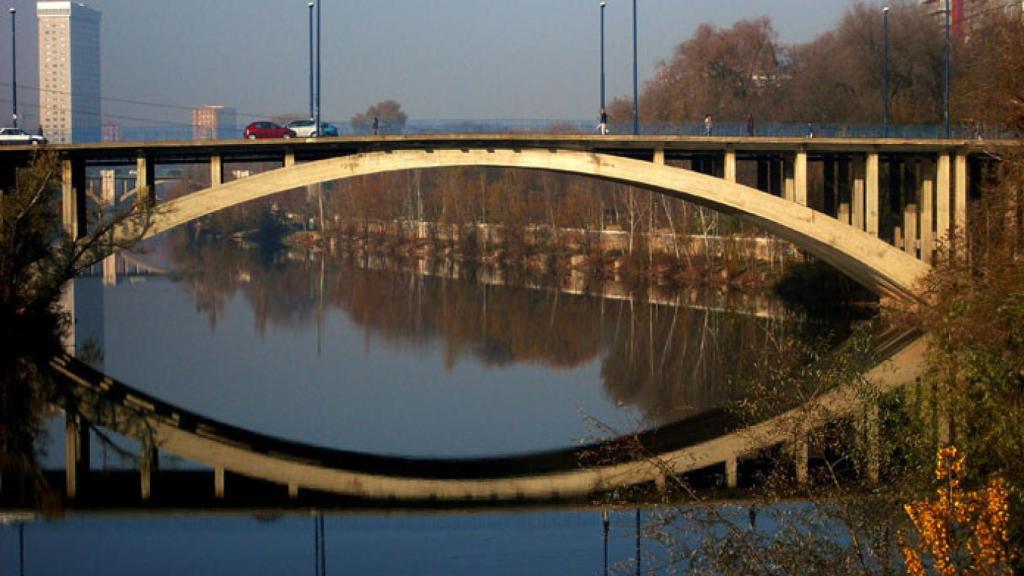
x,y
441,59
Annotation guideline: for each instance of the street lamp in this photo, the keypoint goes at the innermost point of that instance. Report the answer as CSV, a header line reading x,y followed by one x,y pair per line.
x,y
14,71
317,106
885,72
603,4
310,6
636,99
945,88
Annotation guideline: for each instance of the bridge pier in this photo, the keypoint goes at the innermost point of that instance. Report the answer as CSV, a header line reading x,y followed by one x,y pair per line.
x,y
800,177
730,165
960,204
218,482
731,473
73,206
145,180
76,453
216,170
801,454
871,199
927,196
149,466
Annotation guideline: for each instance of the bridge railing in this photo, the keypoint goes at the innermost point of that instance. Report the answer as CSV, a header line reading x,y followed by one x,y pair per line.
x,y
577,126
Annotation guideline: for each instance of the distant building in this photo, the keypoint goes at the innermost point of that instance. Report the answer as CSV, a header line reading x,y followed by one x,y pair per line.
x,y
965,15
69,72
112,132
213,123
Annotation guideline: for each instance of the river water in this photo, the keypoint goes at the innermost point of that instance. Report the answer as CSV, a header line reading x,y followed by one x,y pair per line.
x,y
391,357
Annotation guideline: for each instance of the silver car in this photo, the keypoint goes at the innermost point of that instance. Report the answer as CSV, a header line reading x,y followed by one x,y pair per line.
x,y
307,128
19,136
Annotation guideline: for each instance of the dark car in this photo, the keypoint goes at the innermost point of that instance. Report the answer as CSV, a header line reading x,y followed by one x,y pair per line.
x,y
266,130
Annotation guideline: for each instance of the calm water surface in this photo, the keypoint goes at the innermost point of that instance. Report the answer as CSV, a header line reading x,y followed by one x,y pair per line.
x,y
365,354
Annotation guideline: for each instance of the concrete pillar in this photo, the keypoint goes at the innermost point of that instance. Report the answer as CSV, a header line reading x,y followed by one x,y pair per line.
x,y
216,170
910,229
659,156
293,491
843,195
289,159
943,180
762,175
145,181
800,176
73,207
218,482
927,211
149,466
829,199
108,188
731,473
960,203
789,183
843,213
871,201
801,454
857,195
76,453
730,165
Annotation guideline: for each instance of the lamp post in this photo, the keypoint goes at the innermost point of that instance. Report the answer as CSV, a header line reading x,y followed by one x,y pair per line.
x,y
603,4
945,87
636,100
310,6
885,72
316,108
14,71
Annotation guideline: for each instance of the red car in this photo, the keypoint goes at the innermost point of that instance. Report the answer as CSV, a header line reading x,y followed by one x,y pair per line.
x,y
266,130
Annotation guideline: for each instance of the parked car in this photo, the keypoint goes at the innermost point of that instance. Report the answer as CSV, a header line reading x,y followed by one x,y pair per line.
x,y
266,130
19,136
307,128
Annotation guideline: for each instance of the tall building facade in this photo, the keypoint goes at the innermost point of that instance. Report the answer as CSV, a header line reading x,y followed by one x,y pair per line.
x,y
69,72
213,123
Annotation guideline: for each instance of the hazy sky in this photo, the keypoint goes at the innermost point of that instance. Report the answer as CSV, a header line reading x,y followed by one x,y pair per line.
x,y
440,58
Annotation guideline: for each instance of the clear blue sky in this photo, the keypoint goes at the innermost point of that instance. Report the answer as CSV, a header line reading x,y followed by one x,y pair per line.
x,y
440,59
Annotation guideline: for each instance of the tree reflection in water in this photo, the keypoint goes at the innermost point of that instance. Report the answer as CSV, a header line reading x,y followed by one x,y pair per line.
x,y
666,354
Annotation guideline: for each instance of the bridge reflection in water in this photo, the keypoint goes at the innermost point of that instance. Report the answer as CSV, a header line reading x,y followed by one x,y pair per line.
x,y
319,475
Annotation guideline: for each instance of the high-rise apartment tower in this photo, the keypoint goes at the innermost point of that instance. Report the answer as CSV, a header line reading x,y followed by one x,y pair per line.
x,y
69,72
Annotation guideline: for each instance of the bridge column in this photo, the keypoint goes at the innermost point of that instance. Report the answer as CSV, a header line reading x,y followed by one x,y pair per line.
x,y
73,207
843,196
149,466
730,165
830,196
218,482
788,182
801,454
910,229
927,192
871,192
942,197
289,159
731,473
857,195
762,175
800,175
145,180
76,453
293,491
659,156
216,170
960,204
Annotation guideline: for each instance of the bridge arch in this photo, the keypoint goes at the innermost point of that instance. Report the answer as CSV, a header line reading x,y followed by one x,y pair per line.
x,y
878,266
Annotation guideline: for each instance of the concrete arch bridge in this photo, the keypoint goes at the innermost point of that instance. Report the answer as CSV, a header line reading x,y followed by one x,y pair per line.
x,y
874,209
